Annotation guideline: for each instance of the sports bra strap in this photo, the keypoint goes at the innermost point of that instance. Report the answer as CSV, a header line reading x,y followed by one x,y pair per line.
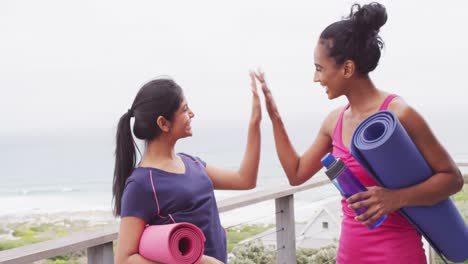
x,y
387,101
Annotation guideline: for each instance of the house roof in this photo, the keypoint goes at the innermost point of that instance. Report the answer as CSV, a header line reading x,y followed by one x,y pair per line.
x,y
331,208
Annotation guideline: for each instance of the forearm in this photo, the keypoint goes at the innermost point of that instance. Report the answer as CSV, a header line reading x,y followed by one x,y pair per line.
x,y
286,153
209,260
248,170
136,259
435,189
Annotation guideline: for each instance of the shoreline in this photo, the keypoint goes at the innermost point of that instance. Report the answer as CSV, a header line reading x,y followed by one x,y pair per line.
x,y
98,216
47,225
259,213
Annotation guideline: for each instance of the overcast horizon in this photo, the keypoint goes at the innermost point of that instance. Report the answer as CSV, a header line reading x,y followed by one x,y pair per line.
x,y
77,65
70,69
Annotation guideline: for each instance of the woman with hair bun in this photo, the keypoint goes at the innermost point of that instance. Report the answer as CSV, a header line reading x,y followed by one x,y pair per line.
x,y
346,52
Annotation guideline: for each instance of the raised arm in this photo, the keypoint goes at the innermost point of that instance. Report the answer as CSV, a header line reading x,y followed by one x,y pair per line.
x,y
246,176
298,168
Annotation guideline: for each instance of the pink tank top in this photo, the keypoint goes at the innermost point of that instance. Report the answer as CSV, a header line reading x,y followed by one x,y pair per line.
x,y
395,241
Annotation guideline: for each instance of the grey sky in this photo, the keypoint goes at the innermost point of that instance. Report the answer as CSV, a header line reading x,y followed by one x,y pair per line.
x,y
76,65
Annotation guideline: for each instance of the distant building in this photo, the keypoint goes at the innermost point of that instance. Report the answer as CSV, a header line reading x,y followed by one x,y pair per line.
x,y
322,228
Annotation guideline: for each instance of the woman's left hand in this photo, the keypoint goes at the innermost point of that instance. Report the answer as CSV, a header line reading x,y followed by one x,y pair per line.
x,y
378,200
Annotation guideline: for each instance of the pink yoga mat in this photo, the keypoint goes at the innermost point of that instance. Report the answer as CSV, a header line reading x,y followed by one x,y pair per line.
x,y
179,243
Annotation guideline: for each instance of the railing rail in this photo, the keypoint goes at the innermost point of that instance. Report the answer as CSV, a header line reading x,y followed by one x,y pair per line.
x,y
98,244
60,246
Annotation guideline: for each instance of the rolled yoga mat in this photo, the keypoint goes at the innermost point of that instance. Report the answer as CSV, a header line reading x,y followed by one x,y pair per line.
x,y
179,243
383,147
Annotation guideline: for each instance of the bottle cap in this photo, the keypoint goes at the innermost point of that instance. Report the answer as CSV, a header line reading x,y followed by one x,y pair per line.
x,y
328,160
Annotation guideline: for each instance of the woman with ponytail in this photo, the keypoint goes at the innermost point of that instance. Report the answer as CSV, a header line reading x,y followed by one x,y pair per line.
x,y
167,187
346,52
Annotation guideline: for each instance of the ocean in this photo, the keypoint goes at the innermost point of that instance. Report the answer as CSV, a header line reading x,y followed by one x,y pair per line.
x,y
70,172
56,172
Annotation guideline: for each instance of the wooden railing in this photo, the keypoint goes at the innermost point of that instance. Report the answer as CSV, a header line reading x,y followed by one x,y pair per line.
x,y
99,244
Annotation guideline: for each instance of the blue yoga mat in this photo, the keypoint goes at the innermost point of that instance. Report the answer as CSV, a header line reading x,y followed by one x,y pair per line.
x,y
382,146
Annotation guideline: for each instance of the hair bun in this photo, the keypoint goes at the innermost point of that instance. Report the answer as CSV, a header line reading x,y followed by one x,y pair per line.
x,y
368,18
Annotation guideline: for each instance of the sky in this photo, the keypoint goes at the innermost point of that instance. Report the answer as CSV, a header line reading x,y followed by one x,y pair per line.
x,y
75,66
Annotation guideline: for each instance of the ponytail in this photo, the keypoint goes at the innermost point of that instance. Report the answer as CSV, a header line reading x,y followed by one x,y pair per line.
x,y
125,159
160,97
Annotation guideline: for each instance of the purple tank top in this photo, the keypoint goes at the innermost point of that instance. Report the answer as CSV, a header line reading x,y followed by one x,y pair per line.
x,y
395,241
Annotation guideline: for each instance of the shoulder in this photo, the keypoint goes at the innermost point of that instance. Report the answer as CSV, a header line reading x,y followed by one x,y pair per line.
x,y
136,200
403,110
139,176
138,181
411,120
329,123
335,114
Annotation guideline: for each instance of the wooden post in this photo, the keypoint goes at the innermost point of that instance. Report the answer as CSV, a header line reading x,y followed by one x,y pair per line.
x,y
431,256
430,253
101,254
286,235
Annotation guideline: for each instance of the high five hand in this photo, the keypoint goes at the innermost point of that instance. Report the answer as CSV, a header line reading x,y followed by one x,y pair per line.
x,y
269,100
256,108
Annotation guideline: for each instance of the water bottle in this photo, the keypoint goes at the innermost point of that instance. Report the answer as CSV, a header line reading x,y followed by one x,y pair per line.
x,y
345,181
